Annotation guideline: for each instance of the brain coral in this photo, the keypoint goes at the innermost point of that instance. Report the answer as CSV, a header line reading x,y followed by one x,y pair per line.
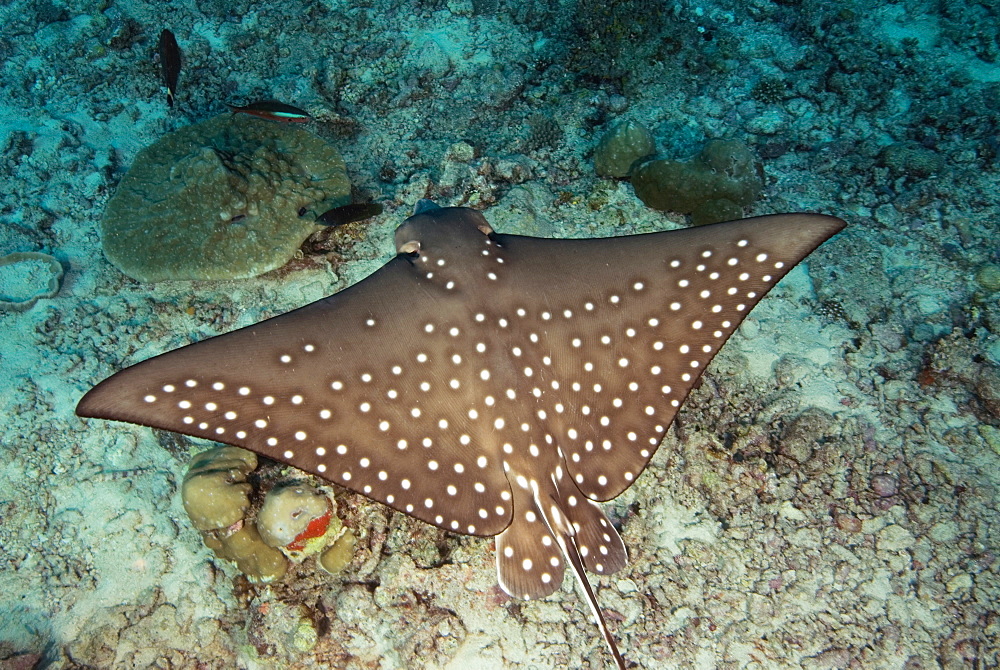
x,y
221,200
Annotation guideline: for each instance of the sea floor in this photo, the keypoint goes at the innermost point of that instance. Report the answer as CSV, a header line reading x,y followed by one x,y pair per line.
x,y
827,497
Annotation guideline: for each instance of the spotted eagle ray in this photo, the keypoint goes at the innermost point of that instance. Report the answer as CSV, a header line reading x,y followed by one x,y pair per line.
x,y
487,384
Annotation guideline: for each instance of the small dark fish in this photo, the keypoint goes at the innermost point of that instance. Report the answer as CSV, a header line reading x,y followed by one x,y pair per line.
x,y
170,63
273,110
339,216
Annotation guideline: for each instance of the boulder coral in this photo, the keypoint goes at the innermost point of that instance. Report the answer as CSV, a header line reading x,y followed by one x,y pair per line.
x,y
293,522
299,520
216,497
215,491
259,562
714,186
724,177
228,198
621,146
339,554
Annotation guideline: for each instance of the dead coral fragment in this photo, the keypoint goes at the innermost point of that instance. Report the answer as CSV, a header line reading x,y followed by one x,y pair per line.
x,y
26,277
221,200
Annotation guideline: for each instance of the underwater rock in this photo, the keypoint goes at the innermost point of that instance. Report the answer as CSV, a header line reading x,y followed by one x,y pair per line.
x,y
280,629
724,170
957,360
221,200
620,147
804,433
848,523
26,277
215,492
885,486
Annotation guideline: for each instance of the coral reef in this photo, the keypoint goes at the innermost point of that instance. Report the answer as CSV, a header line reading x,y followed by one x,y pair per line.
x,y
622,146
227,198
871,373
26,277
725,170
